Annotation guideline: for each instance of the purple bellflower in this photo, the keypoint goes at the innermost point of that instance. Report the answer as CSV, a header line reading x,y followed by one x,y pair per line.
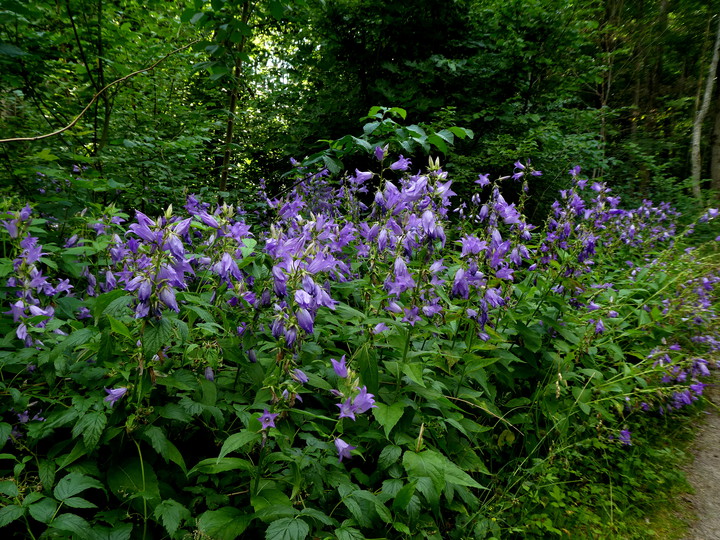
x,y
343,449
113,394
267,419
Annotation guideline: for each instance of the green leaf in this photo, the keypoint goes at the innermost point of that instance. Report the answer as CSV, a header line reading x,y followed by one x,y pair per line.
x,y
9,488
227,523
118,327
46,471
129,481
248,247
163,446
437,468
171,513
5,430
90,426
333,165
73,523
156,336
404,496
118,306
438,142
268,498
389,456
215,466
349,533
414,372
43,510
388,415
368,368
237,441
78,502
287,529
74,483
10,513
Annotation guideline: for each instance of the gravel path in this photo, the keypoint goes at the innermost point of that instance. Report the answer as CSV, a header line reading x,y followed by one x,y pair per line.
x,y
704,473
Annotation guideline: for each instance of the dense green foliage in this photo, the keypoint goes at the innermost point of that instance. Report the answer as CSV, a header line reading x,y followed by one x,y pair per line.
x,y
212,327
613,85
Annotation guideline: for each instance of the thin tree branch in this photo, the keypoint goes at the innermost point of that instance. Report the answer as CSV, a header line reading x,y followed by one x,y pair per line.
x,y
96,96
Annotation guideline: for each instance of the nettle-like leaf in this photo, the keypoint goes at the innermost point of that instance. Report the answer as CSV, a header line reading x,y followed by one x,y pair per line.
x,y
171,513
73,484
226,523
287,529
90,426
163,446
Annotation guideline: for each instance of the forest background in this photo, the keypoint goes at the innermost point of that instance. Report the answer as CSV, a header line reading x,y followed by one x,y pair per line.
x,y
614,85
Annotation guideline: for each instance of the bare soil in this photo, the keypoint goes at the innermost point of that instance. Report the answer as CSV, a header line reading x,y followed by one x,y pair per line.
x,y
704,472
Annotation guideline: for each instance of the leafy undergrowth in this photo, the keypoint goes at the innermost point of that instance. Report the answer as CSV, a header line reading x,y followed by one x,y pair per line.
x,y
361,358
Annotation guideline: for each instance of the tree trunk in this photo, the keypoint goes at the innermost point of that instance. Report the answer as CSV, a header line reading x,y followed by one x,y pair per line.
x,y
695,158
232,105
715,155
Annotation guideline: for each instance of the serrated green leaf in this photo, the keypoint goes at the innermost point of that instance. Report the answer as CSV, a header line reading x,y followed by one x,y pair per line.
x,y
349,533
414,372
163,446
171,513
318,515
72,523
388,415
90,426
43,510
46,471
403,497
119,327
156,336
9,488
287,529
129,480
389,456
78,502
10,513
226,523
74,483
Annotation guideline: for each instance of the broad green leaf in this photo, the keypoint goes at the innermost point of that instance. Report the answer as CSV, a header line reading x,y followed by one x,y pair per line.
x,y
414,372
5,430
171,513
78,502
388,415
287,529
227,523
10,513
163,446
215,465
349,533
156,336
129,481
90,426
72,523
389,456
74,483
403,497
238,440
118,327
9,488
43,510
368,368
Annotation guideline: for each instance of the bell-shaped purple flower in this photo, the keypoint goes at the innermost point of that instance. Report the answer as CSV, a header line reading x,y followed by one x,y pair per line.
x,y
343,449
340,367
113,394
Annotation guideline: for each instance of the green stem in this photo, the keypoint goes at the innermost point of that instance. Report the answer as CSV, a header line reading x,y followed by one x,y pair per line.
x,y
142,472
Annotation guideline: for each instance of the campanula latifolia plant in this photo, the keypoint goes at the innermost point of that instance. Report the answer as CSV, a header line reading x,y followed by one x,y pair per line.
x,y
369,357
